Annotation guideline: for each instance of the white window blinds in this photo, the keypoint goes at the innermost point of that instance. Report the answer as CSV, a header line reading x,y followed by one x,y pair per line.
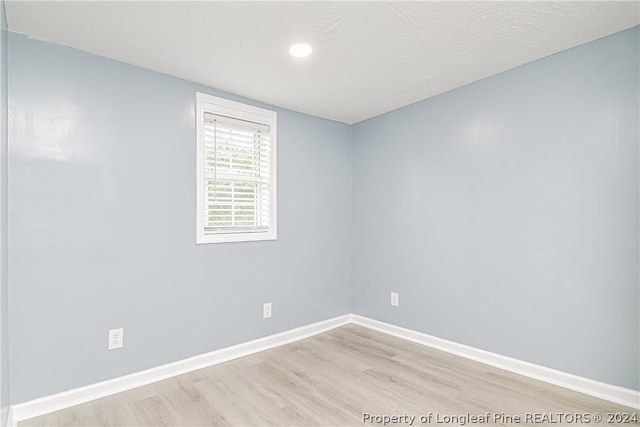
x,y
236,171
237,175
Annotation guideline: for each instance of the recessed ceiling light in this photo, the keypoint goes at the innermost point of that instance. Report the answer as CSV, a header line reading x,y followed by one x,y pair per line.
x,y
300,50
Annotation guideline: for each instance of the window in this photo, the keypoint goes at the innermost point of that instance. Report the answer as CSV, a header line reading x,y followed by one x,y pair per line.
x,y
236,182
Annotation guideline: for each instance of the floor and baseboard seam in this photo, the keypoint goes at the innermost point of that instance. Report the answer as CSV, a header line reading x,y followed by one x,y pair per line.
x,y
55,402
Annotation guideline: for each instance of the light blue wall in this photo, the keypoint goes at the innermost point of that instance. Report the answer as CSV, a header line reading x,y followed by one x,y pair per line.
x,y
4,341
102,225
505,213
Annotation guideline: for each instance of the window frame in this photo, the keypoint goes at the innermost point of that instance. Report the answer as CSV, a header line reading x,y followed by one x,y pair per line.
x,y
206,103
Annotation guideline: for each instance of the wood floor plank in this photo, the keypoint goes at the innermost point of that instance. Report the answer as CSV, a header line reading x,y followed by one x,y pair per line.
x,y
332,379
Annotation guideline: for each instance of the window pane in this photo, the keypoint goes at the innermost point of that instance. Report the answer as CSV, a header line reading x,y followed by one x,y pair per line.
x,y
233,204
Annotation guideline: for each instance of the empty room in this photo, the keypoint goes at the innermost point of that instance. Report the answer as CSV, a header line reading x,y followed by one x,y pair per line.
x,y
319,213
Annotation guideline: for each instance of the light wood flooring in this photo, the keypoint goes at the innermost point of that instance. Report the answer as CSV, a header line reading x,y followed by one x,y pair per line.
x,y
332,379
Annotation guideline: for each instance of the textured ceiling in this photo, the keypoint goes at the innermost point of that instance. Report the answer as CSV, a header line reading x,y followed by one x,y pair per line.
x,y
368,58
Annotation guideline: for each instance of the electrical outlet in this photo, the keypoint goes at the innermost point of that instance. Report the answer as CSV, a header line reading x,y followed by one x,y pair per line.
x,y
266,311
394,299
116,337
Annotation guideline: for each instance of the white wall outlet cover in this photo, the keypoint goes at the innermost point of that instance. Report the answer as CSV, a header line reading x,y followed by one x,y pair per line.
x,y
395,299
116,339
266,311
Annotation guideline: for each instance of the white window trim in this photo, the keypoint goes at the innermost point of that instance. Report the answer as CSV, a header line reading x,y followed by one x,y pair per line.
x,y
220,106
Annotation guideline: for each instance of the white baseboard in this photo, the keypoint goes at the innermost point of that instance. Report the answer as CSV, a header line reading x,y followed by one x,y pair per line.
x,y
588,386
55,402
